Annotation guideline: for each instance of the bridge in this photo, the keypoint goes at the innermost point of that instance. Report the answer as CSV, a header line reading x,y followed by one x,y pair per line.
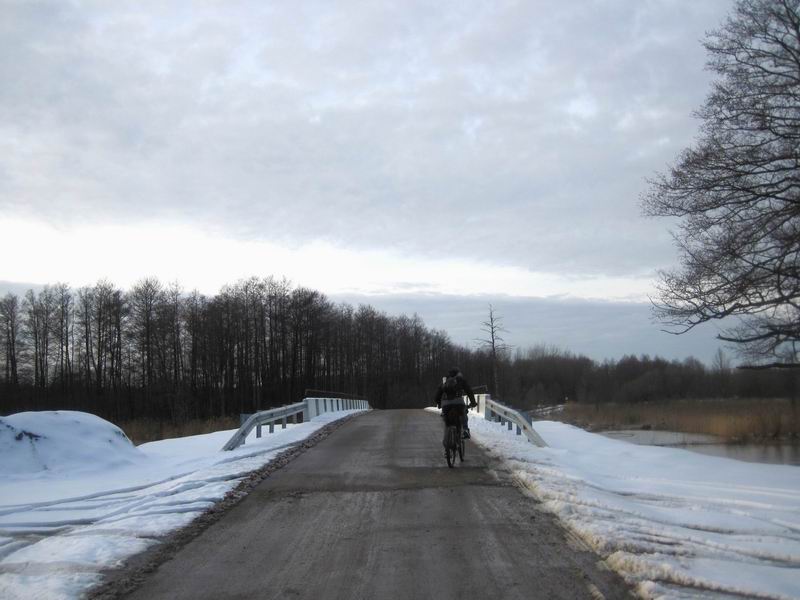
x,y
372,511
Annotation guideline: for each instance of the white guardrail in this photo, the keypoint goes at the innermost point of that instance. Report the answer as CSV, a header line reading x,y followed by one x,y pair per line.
x,y
308,409
493,410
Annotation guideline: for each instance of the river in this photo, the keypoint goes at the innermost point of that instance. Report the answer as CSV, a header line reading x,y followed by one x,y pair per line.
x,y
781,453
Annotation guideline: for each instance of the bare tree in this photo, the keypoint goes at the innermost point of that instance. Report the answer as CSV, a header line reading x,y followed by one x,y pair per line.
x,y
721,363
737,191
494,343
39,312
721,369
145,298
10,322
63,325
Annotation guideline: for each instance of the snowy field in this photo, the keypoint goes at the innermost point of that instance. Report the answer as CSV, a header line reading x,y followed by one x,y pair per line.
x,y
77,497
674,523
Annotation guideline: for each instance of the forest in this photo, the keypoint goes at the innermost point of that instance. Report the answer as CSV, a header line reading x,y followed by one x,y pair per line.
x,y
158,352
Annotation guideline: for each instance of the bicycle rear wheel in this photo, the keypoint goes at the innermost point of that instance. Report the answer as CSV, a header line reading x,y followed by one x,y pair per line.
x,y
450,446
461,446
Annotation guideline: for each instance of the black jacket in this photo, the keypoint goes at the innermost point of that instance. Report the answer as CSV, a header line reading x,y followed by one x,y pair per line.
x,y
463,390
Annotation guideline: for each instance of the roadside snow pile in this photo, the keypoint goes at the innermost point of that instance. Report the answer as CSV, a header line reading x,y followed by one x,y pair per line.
x,y
62,441
61,523
674,523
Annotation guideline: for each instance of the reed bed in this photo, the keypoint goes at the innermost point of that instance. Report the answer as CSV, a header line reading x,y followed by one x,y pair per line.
x,y
140,431
733,420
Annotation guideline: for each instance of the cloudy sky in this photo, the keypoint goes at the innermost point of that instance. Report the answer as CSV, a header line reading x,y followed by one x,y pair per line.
x,y
421,156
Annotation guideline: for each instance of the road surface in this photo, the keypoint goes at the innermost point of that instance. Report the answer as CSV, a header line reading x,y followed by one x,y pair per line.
x,y
373,512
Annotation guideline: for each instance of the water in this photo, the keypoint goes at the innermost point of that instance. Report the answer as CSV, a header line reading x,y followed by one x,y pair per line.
x,y
779,453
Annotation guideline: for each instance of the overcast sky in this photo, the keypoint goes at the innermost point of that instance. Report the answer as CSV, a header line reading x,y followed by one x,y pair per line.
x,y
428,152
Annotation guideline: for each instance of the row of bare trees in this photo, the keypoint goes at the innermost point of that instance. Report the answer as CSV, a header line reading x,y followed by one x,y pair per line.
x,y
155,351
159,352
546,375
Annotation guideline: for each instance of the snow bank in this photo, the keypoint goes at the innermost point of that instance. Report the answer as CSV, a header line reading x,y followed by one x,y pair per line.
x,y
672,522
77,497
62,441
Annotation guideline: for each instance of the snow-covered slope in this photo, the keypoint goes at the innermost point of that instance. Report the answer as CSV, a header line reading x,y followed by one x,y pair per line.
x,y
62,441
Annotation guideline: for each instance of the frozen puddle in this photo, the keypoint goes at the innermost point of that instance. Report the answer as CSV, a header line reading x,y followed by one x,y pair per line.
x,y
674,523
80,498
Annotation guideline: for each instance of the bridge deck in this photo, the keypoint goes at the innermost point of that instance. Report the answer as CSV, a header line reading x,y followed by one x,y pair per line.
x,y
374,512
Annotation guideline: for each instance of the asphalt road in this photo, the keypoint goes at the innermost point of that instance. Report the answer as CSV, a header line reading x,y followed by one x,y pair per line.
x,y
373,512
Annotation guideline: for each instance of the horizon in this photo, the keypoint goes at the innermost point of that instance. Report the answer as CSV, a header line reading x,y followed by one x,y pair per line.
x,y
534,322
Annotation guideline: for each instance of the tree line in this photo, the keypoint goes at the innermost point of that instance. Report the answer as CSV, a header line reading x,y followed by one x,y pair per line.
x,y
155,351
547,376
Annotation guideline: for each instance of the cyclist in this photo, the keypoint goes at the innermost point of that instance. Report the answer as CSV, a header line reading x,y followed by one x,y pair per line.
x,y
450,398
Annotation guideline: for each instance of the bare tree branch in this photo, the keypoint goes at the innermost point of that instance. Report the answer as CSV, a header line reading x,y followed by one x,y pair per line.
x,y
737,191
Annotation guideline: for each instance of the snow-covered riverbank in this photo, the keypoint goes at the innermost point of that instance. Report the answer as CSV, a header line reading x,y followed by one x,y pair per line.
x,y
674,523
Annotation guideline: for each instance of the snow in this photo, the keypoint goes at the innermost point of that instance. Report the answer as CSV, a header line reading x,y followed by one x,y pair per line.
x,y
45,441
77,497
673,523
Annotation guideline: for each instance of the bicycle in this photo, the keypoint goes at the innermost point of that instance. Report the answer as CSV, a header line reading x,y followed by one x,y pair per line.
x,y
453,441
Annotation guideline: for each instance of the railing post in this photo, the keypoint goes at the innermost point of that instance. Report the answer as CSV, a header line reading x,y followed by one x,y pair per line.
x,y
258,431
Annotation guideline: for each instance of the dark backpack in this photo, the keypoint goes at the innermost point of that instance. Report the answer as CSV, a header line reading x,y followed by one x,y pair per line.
x,y
453,388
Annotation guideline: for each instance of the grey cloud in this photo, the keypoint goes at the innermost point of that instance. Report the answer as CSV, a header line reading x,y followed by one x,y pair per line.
x,y
527,127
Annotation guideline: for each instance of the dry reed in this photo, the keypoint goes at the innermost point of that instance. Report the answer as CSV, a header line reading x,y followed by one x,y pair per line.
x,y
734,420
140,431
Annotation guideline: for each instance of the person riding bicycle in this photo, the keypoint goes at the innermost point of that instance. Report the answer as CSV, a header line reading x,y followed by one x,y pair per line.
x,y
450,398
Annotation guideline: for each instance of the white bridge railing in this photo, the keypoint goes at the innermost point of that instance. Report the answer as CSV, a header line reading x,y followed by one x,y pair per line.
x,y
307,410
493,410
